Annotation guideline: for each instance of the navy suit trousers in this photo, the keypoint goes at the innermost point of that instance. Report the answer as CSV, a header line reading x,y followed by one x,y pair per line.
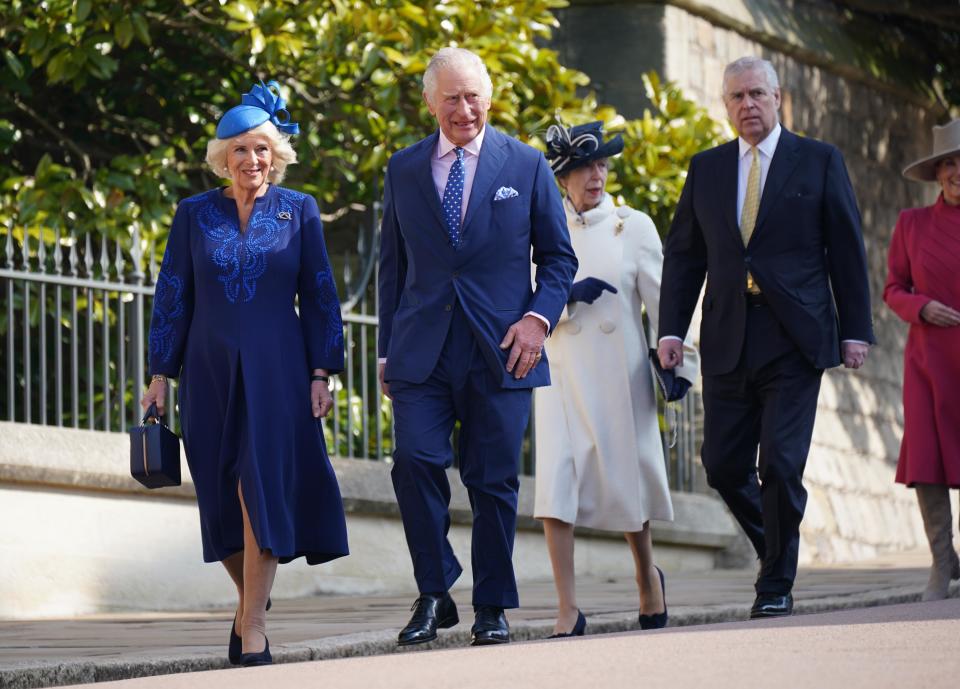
x,y
769,401
492,422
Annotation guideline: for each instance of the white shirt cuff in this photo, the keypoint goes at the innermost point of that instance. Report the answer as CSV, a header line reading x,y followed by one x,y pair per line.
x,y
538,316
855,342
670,337
382,360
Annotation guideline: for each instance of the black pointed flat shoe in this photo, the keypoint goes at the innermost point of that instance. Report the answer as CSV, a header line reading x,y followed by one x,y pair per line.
x,y
579,628
657,620
261,658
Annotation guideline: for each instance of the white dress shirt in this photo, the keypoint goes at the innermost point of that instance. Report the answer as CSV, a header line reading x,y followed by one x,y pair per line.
x,y
443,160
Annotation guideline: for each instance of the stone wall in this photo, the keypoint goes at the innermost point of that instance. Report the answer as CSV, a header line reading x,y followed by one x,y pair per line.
x,y
78,535
855,510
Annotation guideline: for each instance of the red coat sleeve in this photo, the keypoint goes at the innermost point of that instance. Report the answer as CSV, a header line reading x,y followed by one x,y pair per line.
x,y
898,292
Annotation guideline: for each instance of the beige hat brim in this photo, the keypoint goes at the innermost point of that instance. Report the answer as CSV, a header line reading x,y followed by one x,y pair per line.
x,y
925,169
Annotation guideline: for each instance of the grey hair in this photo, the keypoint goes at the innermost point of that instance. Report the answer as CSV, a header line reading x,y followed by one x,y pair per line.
x,y
748,64
283,153
455,57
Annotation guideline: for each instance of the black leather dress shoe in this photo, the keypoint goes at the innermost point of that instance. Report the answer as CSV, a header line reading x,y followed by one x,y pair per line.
x,y
771,605
489,627
430,612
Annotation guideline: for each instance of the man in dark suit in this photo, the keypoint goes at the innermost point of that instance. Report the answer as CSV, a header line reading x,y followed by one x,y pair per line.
x,y
771,221
461,334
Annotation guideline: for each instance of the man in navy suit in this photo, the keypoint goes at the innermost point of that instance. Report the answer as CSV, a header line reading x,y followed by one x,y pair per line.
x,y
462,332
771,221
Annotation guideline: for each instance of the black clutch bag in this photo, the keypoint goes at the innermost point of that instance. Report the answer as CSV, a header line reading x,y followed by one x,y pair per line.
x,y
154,452
671,386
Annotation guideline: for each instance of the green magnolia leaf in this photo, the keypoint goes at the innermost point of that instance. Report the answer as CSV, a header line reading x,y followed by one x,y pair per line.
x,y
123,31
35,41
141,28
83,10
240,12
57,66
13,63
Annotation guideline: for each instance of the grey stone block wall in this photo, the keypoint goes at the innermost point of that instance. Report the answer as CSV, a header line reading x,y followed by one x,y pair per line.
x,y
614,43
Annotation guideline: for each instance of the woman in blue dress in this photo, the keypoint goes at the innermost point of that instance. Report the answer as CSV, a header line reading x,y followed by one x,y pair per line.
x,y
253,373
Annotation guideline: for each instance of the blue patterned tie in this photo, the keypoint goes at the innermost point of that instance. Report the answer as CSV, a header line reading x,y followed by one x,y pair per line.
x,y
453,198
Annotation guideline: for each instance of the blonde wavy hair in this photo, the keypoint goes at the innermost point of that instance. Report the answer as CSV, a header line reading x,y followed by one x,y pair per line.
x,y
283,153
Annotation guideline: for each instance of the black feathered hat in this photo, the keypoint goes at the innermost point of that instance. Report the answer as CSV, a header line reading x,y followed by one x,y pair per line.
x,y
573,147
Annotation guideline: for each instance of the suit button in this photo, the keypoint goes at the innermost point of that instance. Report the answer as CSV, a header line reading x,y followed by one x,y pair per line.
x,y
454,274
608,326
448,307
747,260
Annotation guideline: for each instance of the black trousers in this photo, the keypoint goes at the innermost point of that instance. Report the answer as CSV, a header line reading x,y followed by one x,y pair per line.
x,y
768,402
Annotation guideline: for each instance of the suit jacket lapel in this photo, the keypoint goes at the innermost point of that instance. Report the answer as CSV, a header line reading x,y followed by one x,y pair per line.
x,y
784,161
729,175
492,158
423,171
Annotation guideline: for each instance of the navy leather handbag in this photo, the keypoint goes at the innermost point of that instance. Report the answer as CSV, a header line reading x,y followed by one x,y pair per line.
x,y
671,386
154,452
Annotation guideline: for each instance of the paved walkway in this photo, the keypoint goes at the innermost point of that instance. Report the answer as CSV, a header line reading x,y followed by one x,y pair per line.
x,y
890,647
104,647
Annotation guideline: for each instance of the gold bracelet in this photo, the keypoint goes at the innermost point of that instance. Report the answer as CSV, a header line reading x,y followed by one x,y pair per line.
x,y
158,376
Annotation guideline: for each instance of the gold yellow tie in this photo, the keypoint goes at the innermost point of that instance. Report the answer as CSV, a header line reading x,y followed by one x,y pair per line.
x,y
751,204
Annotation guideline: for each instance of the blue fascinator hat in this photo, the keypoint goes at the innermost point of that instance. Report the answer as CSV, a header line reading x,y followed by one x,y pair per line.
x,y
263,103
573,147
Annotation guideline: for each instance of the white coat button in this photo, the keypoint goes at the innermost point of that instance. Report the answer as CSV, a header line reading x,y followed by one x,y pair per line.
x,y
608,326
573,327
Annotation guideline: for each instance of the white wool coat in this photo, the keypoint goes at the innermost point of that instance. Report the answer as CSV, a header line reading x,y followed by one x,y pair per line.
x,y
599,454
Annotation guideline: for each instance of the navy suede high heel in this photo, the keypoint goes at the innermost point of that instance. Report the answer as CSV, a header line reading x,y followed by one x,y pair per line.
x,y
579,627
659,620
235,647
261,658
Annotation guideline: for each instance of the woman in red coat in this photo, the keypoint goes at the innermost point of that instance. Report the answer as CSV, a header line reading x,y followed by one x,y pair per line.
x,y
923,288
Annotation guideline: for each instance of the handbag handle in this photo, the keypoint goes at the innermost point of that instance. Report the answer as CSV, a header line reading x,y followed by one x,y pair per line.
x,y
152,415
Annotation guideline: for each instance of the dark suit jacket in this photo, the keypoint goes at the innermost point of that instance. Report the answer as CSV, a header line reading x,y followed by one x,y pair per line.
x,y
422,275
806,254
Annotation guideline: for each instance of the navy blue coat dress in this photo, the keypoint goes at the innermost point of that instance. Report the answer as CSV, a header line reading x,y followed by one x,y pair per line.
x,y
225,323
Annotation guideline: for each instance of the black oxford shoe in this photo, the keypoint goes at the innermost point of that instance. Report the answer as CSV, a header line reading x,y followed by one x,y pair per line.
x,y
771,605
490,627
430,612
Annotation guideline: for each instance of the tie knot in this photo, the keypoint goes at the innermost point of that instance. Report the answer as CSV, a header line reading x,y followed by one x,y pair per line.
x,y
459,152
755,152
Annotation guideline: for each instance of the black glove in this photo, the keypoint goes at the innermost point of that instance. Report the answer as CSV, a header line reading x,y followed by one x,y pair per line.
x,y
589,290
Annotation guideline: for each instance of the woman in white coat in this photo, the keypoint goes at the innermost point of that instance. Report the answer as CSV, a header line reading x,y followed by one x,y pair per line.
x,y
599,455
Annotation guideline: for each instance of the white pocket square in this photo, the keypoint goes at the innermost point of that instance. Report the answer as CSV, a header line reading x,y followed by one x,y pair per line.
x,y
505,193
